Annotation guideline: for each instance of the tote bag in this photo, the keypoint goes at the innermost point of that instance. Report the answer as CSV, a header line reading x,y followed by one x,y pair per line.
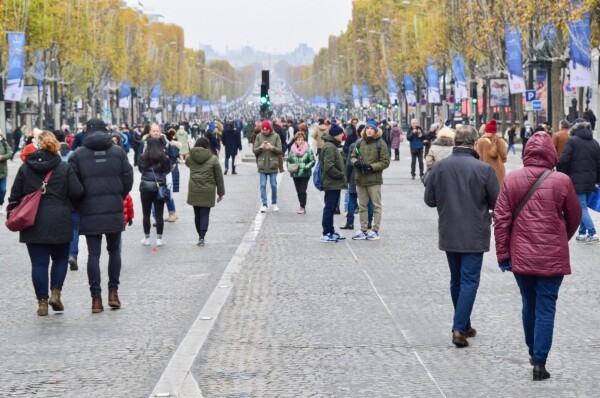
x,y
23,215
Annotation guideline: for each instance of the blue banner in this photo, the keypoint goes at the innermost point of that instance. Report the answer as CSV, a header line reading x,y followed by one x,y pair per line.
x,y
124,95
366,102
433,84
16,62
355,96
40,68
392,88
514,59
460,81
409,89
549,32
155,96
580,52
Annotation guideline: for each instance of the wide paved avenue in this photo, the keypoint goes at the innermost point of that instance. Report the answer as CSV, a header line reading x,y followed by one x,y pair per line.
x,y
300,319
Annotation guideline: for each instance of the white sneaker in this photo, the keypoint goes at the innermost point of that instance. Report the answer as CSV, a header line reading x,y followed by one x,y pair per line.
x,y
592,239
581,238
159,242
263,209
146,241
274,207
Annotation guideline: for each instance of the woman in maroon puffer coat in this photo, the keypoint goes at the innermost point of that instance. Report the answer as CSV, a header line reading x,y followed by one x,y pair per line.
x,y
535,246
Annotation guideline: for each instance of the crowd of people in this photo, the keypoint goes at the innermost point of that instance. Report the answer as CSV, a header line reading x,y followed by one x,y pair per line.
x,y
90,176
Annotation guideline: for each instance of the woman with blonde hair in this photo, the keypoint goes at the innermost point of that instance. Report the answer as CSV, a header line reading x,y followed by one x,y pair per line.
x,y
300,162
50,236
440,148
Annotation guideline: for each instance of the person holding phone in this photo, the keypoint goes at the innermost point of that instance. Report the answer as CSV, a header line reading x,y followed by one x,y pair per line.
x,y
206,177
416,137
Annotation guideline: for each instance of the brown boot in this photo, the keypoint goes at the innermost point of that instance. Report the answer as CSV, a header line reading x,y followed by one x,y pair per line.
x,y
54,301
113,299
172,217
42,307
97,304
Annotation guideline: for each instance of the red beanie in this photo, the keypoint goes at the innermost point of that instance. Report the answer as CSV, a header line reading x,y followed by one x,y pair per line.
x,y
266,125
491,127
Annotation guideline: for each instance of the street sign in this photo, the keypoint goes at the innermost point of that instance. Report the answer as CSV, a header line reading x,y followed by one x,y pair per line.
x,y
530,95
529,107
537,105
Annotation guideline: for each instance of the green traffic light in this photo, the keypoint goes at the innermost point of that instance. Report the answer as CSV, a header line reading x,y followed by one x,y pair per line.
x,y
263,100
474,100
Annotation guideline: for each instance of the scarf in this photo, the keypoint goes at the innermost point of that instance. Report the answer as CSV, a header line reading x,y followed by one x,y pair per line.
x,y
300,151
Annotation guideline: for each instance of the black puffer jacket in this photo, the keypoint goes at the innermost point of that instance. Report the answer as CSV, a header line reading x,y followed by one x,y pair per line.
x,y
152,175
581,159
107,177
464,190
53,220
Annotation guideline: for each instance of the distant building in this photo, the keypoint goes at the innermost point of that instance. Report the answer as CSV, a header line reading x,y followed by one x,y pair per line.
x,y
302,55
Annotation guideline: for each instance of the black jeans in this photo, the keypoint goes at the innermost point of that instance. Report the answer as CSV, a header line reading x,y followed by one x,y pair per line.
x,y
229,155
413,159
94,243
40,255
148,199
332,198
201,218
301,184
397,153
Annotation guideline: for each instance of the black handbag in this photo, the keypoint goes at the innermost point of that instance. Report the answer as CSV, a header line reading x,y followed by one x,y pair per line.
x,y
164,193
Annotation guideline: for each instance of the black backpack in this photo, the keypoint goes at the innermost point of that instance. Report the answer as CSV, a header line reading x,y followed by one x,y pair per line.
x,y
377,145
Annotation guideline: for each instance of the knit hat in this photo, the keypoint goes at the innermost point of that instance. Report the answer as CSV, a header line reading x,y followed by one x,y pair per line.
x,y
266,125
491,127
95,124
335,130
371,123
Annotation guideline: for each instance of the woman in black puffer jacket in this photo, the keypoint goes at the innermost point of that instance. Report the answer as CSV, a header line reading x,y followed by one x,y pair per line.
x,y
154,165
50,236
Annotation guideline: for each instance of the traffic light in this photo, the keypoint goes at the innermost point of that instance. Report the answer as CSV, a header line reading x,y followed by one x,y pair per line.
x,y
265,103
474,100
474,92
98,107
63,105
396,104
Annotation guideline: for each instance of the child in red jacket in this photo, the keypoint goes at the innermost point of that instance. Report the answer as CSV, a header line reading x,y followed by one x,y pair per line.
x,y
127,216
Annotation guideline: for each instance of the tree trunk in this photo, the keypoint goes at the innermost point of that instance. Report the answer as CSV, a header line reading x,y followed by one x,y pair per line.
x,y
558,109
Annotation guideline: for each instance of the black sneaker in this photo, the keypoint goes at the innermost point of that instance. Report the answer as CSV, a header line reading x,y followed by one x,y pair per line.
x,y
347,227
200,243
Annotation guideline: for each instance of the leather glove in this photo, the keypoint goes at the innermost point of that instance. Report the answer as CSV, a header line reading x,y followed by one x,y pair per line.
x,y
359,164
130,223
368,168
505,265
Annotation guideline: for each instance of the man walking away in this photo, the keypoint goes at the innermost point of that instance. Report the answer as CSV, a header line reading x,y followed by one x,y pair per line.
x,y
107,177
581,161
464,190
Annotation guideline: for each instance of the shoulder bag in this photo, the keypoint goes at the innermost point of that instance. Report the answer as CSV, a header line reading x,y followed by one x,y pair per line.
x,y
22,216
164,193
530,194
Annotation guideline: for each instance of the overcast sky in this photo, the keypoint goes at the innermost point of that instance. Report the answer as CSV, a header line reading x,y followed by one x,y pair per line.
x,y
271,25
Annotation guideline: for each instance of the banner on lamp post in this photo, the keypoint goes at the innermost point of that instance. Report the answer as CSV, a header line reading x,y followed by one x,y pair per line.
x,y
366,102
514,59
409,89
392,88
355,96
460,81
433,87
16,62
155,96
580,65
124,95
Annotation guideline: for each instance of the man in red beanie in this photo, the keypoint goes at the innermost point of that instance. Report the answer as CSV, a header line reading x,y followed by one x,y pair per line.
x,y
267,148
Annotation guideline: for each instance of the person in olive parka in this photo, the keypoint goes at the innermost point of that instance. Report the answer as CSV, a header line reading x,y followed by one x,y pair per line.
x,y
206,177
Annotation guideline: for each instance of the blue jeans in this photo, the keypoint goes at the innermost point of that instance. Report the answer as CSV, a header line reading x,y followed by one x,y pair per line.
x,y
332,198
171,205
94,243
511,146
40,255
465,270
2,190
346,199
539,295
353,204
587,225
74,245
263,187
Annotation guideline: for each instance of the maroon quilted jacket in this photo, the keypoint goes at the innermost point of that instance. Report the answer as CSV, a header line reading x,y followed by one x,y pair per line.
x,y
537,242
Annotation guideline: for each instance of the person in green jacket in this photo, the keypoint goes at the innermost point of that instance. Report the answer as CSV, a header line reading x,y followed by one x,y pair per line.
x,y
370,157
301,155
206,177
334,180
5,154
267,148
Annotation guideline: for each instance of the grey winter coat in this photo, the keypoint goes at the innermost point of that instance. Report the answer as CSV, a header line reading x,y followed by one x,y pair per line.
x,y
464,190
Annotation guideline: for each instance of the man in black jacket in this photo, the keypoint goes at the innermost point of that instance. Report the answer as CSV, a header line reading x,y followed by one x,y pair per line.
x,y
107,177
464,190
580,160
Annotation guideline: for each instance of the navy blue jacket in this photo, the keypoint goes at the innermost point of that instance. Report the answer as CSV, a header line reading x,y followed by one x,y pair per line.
x,y
416,142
